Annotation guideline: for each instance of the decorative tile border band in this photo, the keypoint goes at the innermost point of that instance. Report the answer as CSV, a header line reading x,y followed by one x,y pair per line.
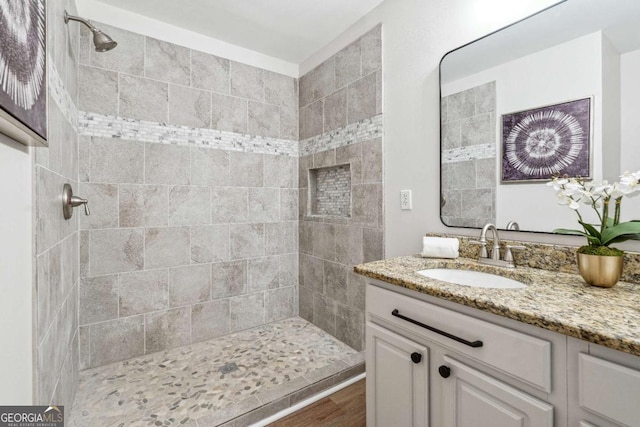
x,y
60,95
99,125
364,130
471,152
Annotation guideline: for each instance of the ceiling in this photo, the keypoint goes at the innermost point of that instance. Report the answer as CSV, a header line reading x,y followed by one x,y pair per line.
x,y
290,30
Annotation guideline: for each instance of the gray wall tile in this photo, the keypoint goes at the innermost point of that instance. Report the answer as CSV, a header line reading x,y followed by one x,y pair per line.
x,y
103,202
364,197
189,205
98,299
351,154
209,243
263,119
210,72
323,241
311,120
282,238
264,204
143,291
264,273
324,159
114,161
189,284
479,129
289,123
279,304
460,105
98,91
324,313
288,204
312,273
167,329
280,90
245,169
356,291
372,244
115,251
318,82
209,167
348,245
361,99
229,204
246,311
246,81
485,98
228,113
348,64
335,281
280,171
167,62
143,99
143,205
371,48
166,164
288,266
306,303
451,136
209,320
116,340
486,173
189,107
166,247
247,241
372,161
306,237
335,110
462,175
228,279
304,164
350,326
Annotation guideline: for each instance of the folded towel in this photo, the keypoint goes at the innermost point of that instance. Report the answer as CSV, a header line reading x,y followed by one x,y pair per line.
x,y
440,247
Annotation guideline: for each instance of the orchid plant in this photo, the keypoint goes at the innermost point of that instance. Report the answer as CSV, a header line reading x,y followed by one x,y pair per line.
x,y
575,192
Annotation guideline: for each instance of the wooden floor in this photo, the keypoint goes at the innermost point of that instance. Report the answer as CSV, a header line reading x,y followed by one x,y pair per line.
x,y
343,408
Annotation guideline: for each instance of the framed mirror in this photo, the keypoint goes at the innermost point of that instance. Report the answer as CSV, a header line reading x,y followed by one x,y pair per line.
x,y
557,92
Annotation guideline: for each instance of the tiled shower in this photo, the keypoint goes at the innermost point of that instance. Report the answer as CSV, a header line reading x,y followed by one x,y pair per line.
x,y
197,171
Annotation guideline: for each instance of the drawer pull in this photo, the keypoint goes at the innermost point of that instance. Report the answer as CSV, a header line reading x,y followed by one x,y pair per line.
x,y
416,357
474,344
445,371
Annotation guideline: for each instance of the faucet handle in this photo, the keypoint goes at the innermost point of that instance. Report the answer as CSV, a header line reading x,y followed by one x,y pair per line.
x,y
483,247
508,255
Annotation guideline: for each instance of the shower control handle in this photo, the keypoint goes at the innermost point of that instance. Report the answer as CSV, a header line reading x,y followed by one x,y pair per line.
x,y
69,201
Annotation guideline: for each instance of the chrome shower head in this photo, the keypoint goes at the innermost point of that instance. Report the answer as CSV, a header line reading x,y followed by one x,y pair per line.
x,y
101,41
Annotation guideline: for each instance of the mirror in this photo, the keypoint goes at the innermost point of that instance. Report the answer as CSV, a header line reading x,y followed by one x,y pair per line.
x,y
556,92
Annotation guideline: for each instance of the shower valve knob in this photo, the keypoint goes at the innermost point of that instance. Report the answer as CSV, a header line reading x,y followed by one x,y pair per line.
x,y
69,201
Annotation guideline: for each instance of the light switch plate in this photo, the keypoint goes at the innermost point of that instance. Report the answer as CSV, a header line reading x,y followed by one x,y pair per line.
x,y
405,200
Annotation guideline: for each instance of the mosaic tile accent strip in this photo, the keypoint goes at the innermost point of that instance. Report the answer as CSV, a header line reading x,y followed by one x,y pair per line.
x,y
472,152
331,191
93,124
363,130
60,96
184,384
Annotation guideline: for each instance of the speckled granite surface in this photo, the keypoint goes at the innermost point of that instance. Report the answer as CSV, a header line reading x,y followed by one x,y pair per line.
x,y
184,386
552,300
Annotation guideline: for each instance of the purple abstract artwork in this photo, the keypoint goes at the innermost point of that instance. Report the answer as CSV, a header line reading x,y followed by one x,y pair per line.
x,y
553,140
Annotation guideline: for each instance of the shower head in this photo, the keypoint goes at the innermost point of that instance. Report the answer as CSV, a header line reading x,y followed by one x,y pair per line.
x,y
101,41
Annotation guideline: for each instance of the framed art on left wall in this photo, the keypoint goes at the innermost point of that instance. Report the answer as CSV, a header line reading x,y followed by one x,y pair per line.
x,y
23,71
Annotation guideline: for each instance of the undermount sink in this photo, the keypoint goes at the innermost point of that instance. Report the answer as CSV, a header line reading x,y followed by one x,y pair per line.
x,y
471,278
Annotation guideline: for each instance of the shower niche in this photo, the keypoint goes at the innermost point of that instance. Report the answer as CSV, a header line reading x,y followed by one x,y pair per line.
x,y
330,191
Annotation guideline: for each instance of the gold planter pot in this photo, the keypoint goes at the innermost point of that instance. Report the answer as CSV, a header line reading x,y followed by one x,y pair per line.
x,y
602,271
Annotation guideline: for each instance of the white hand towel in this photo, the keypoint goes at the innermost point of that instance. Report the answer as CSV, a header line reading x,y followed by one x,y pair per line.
x,y
440,247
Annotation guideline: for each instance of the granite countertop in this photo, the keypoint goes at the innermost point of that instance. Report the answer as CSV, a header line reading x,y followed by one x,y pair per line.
x,y
559,302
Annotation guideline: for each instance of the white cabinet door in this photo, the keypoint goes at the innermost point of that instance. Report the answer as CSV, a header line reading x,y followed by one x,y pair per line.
x,y
474,399
397,380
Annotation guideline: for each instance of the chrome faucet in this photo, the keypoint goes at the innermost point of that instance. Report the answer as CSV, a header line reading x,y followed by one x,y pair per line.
x,y
494,257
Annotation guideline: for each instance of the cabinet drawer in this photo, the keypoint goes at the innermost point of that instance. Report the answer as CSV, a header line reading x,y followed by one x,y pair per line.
x,y
609,390
522,356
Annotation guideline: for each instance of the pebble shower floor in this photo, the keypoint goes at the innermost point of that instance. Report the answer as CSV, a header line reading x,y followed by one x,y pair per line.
x,y
213,382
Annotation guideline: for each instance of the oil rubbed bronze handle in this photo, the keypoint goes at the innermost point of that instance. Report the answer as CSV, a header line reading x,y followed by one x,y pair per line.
x,y
474,344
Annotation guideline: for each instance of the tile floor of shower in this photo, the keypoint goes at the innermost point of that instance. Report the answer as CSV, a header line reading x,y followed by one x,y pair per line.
x,y
235,380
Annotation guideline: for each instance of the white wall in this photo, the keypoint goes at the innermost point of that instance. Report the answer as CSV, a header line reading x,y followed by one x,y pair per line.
x,y
416,34
15,274
630,125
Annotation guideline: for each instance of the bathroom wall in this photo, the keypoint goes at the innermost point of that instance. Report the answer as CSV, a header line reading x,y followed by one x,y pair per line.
x,y
190,163
55,319
468,175
341,123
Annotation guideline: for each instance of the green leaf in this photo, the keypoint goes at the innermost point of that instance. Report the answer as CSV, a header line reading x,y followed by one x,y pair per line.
x,y
571,232
591,230
629,229
624,238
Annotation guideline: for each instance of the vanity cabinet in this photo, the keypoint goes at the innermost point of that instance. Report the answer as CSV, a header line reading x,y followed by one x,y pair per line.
x,y
478,373
397,379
